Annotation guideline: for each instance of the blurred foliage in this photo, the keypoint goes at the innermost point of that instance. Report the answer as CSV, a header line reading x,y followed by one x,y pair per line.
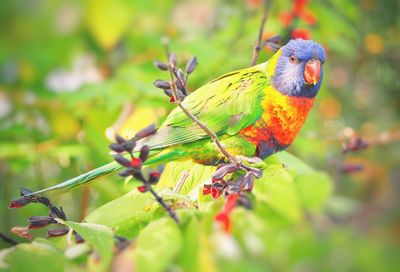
x,y
72,73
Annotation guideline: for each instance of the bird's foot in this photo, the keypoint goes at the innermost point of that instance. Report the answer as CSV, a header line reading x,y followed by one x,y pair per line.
x,y
254,165
250,160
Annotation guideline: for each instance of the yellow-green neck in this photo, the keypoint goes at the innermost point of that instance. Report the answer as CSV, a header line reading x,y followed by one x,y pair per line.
x,y
269,66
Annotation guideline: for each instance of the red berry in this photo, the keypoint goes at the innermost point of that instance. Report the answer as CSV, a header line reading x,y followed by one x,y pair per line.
x,y
136,163
154,177
215,192
206,189
142,188
18,203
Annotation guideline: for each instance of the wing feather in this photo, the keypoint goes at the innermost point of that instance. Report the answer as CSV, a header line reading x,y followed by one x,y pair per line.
x,y
226,105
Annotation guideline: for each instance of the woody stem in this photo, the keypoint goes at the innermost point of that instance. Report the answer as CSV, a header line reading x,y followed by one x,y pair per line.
x,y
258,46
166,207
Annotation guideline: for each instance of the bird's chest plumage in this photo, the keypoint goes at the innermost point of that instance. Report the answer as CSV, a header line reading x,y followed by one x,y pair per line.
x,y
283,117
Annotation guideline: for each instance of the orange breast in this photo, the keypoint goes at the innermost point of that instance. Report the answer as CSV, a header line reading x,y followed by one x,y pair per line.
x,y
282,119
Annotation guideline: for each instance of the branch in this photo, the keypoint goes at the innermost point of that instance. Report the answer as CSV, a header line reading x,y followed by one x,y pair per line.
x,y
7,239
166,207
213,136
258,46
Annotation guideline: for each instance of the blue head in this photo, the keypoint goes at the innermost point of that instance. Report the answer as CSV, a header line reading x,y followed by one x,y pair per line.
x,y
298,70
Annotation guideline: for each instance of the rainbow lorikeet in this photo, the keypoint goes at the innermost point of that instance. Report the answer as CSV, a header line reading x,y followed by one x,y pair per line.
x,y
255,111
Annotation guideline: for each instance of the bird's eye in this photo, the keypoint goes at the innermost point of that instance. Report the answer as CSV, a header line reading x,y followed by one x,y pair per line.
x,y
293,59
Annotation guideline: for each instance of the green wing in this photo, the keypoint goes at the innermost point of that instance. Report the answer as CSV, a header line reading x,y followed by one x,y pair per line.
x,y
226,105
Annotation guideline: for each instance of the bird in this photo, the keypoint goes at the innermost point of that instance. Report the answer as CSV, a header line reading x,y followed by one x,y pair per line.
x,y
255,111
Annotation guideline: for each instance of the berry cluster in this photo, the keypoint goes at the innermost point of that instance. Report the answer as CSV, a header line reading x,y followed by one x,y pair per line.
x,y
133,165
36,222
56,216
221,184
179,78
354,144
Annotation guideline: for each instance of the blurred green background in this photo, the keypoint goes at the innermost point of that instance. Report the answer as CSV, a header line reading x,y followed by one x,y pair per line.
x,y
73,73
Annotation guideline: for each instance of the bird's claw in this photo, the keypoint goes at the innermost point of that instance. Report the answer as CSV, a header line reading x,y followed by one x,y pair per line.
x,y
250,160
253,165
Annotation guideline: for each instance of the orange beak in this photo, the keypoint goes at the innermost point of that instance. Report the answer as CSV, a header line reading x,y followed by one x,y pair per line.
x,y
312,71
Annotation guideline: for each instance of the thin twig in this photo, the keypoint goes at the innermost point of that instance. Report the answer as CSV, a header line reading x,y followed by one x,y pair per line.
x,y
181,182
212,135
166,207
8,239
258,46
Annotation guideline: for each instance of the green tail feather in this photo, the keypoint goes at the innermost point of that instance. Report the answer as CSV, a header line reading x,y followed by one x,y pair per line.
x,y
110,168
85,178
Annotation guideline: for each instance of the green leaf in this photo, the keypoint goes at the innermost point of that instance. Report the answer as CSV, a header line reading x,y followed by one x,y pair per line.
x,y
341,206
314,190
198,253
189,258
100,237
293,163
108,20
277,190
33,257
127,214
313,187
157,245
